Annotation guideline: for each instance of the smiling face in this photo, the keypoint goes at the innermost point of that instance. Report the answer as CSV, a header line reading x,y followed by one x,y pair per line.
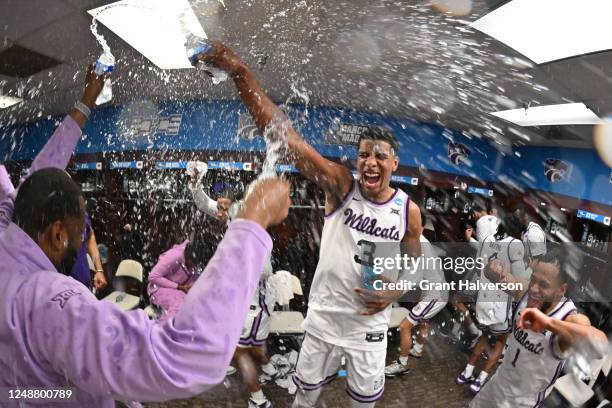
x,y
545,287
376,162
223,206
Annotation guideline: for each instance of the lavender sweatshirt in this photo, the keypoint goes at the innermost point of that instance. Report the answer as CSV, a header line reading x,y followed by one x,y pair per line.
x,y
53,331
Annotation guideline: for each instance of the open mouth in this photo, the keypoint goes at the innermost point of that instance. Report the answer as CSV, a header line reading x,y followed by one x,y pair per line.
x,y
371,179
534,301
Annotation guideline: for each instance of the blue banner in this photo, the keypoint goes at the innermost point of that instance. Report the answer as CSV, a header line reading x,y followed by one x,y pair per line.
x,y
479,190
602,219
406,180
88,166
170,165
221,165
126,165
286,168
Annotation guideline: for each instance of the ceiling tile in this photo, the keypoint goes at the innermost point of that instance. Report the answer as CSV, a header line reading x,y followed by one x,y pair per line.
x,y
21,17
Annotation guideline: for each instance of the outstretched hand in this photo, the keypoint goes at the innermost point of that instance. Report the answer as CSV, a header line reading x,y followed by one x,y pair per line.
x,y
533,319
221,57
267,202
93,86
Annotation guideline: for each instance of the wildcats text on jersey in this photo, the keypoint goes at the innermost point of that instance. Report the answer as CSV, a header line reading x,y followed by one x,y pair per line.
x,y
522,338
367,225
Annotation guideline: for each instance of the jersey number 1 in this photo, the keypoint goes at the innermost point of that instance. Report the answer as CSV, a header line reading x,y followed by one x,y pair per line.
x,y
518,351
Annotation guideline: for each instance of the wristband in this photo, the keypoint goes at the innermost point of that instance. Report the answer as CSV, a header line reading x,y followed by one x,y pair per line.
x,y
84,109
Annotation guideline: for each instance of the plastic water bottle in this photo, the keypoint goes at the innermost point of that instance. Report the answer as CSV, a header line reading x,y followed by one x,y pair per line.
x,y
105,65
197,45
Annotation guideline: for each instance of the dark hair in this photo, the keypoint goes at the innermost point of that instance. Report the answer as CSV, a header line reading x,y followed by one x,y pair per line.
x,y
508,225
380,133
556,257
47,196
521,209
479,204
200,251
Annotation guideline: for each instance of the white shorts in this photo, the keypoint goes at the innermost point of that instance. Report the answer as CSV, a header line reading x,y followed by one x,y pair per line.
x,y
425,310
494,317
256,328
319,362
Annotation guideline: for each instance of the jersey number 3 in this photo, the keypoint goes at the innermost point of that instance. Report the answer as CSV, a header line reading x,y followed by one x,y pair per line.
x,y
367,251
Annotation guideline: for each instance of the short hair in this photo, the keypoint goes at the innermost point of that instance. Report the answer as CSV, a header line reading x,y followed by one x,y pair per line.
x,y
510,225
47,196
479,204
521,209
380,133
556,257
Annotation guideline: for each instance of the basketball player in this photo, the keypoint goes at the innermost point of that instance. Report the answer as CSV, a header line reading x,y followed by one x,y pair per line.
x,y
546,329
494,307
251,347
534,237
358,214
432,302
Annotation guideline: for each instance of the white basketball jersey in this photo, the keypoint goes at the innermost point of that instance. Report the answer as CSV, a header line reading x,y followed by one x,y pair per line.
x,y
432,274
485,226
534,239
495,306
334,307
530,366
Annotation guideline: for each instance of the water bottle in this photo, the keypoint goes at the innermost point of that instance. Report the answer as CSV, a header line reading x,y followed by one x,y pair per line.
x,y
105,65
197,45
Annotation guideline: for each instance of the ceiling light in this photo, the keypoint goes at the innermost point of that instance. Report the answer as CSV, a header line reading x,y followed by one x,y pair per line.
x,y
549,30
153,28
548,115
8,101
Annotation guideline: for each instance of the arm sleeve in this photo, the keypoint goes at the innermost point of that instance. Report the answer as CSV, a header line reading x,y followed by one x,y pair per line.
x,y
7,197
60,147
165,266
203,202
516,253
124,355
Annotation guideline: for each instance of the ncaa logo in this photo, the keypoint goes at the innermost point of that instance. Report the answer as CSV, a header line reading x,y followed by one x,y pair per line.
x,y
457,152
556,170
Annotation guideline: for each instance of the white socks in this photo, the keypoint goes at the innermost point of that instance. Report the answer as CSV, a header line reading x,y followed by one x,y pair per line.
x,y
469,370
403,360
483,377
418,347
473,329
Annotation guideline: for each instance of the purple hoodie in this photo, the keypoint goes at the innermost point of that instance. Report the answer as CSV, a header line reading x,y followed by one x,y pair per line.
x,y
54,332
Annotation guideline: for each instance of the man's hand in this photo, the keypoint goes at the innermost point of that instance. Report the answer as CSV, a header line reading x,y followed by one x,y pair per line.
x,y
93,86
99,280
221,57
533,319
375,301
267,202
184,288
496,272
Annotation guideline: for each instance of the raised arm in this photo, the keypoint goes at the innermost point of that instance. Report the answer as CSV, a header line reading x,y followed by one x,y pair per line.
x,y
7,192
336,180
180,358
60,147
